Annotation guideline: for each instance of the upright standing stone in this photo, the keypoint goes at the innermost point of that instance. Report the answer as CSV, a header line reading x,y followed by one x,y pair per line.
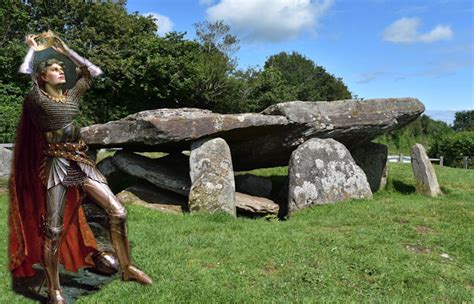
x,y
425,177
212,177
372,159
5,162
322,171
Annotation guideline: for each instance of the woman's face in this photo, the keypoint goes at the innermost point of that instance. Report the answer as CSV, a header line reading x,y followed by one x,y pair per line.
x,y
54,75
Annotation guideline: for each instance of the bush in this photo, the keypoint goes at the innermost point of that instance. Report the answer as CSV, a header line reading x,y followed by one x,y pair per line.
x,y
10,107
453,147
423,130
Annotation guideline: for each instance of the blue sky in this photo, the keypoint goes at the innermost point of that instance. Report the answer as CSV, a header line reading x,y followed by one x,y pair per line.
x,y
380,48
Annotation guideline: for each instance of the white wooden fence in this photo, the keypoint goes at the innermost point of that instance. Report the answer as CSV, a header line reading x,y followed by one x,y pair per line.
x,y
407,159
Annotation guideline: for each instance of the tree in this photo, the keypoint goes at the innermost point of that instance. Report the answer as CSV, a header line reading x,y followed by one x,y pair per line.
x,y
14,24
464,121
309,81
422,130
216,87
216,36
262,88
141,71
454,147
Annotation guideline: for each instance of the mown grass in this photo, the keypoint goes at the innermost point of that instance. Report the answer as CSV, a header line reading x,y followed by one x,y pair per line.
x,y
387,249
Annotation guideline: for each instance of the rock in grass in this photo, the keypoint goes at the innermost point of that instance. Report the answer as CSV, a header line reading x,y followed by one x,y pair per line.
x,y
426,182
212,177
372,159
150,196
5,161
322,171
254,205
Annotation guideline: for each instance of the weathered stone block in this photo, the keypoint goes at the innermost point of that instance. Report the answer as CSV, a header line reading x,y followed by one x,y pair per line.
x,y
212,177
425,177
5,162
322,171
152,197
372,159
254,205
169,172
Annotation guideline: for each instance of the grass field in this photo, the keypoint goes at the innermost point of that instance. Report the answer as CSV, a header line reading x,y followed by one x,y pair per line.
x,y
397,247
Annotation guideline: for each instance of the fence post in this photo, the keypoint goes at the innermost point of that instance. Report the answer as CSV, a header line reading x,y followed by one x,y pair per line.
x,y
441,161
400,158
464,161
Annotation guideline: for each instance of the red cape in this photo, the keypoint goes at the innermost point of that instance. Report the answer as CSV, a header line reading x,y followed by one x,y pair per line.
x,y
27,206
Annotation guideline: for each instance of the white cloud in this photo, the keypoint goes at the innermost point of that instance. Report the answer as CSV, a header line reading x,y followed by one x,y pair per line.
x,y
440,32
269,20
164,23
405,30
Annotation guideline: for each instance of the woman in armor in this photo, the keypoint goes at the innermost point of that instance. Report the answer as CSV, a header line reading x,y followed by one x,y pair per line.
x,y
52,173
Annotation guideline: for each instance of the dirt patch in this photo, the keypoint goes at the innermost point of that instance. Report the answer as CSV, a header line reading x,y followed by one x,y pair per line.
x,y
269,269
210,266
418,249
423,230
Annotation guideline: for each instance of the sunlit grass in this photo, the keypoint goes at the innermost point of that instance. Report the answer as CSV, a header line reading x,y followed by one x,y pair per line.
x,y
397,247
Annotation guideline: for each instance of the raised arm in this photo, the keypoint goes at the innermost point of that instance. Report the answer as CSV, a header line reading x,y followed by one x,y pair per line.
x,y
80,61
27,65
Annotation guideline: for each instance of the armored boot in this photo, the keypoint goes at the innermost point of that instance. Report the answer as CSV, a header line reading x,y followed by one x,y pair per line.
x,y
52,227
119,239
50,264
103,196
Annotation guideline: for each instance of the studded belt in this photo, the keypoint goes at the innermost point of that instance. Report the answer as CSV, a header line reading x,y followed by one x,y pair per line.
x,y
71,151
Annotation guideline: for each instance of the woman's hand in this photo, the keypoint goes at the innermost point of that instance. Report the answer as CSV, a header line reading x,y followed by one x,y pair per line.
x,y
60,47
31,42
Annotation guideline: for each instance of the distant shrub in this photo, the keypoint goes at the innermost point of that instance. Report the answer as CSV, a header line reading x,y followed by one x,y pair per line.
x,y
453,147
10,107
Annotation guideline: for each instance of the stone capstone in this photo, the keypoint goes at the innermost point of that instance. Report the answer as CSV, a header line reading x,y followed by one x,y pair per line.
x,y
322,171
426,182
372,159
257,140
212,177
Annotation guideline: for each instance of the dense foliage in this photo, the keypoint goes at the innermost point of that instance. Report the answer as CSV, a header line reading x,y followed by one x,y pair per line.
x,y
464,121
423,130
144,71
454,147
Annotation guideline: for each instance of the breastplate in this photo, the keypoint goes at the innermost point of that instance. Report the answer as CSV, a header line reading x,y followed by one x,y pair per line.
x,y
69,133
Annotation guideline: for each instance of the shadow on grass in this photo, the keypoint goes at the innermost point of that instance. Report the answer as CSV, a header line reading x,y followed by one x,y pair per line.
x,y
403,188
74,285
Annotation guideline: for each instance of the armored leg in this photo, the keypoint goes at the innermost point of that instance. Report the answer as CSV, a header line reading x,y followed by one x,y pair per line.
x,y
52,232
117,214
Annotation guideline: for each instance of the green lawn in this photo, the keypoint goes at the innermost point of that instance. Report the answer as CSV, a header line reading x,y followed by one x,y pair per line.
x,y
387,249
